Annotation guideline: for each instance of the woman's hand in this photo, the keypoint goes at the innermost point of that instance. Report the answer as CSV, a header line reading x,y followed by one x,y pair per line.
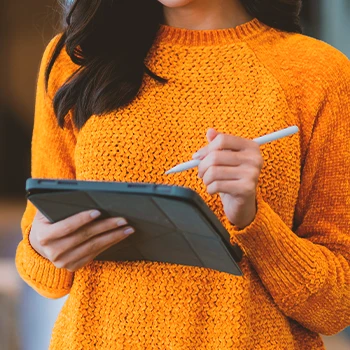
x,y
74,242
231,166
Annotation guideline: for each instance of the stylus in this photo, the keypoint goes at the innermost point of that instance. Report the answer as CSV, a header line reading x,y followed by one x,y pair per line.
x,y
260,141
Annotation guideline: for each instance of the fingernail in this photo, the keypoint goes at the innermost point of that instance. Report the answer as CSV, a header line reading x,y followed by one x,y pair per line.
x,y
197,155
121,222
129,231
95,214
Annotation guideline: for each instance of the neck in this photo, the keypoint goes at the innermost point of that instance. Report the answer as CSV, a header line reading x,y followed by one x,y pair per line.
x,y
207,15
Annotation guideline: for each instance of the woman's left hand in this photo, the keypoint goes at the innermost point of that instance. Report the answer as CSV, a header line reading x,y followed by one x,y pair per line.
x,y
231,166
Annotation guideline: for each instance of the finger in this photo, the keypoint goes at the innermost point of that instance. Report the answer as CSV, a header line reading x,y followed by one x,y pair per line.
x,y
237,188
232,143
93,247
200,154
211,134
226,142
87,232
66,227
221,173
220,158
76,265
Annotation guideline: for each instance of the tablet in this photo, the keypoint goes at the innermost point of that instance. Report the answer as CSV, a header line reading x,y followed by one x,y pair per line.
x,y
172,224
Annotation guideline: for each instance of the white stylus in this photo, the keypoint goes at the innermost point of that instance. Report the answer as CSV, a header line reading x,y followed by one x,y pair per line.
x,y
260,141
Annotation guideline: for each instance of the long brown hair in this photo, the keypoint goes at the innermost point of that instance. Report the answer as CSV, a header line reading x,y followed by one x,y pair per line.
x,y
109,41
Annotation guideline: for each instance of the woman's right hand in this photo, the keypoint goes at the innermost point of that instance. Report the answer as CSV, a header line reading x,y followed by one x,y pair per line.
x,y
74,242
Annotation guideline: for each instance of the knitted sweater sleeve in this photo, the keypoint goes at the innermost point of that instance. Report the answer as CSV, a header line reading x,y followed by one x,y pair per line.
x,y
52,157
307,270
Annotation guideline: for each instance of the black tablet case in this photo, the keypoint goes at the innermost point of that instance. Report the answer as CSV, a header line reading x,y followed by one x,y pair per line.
x,y
173,224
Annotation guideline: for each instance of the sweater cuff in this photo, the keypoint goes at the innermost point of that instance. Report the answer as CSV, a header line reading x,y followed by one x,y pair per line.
x,y
285,262
40,273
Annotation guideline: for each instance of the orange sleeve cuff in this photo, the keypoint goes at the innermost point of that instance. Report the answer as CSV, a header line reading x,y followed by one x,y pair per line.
x,y
287,264
41,274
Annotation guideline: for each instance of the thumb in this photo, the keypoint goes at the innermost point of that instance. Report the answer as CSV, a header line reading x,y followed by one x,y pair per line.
x,y
211,134
39,216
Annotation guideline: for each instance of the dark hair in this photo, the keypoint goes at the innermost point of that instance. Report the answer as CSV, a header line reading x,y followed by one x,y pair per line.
x,y
110,48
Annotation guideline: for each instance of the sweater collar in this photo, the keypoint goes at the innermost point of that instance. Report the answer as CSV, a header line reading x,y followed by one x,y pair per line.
x,y
187,37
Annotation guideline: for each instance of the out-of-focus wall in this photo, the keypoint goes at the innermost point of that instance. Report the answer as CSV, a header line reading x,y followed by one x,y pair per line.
x,y
335,23
26,27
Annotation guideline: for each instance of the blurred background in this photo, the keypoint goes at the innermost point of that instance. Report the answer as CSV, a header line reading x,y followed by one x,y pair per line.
x,y
26,319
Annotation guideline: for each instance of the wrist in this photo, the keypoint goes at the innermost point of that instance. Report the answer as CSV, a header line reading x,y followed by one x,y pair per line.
x,y
246,215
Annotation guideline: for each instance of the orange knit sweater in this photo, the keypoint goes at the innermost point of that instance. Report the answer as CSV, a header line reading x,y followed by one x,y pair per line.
x,y
246,81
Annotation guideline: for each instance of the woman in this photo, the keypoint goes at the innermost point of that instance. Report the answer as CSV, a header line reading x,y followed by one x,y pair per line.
x,y
127,99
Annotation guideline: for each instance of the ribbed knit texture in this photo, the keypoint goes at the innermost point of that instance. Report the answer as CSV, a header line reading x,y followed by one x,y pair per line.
x,y
246,81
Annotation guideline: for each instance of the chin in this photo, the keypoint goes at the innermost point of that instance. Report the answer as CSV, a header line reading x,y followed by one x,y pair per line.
x,y
175,3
